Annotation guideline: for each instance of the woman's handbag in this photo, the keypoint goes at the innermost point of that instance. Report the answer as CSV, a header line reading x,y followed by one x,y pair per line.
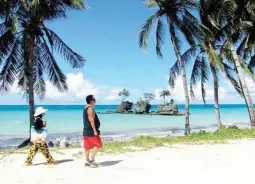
x,y
38,135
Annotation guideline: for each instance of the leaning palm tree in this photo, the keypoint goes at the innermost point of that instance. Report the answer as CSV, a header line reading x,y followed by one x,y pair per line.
x,y
164,94
178,17
27,46
207,58
237,25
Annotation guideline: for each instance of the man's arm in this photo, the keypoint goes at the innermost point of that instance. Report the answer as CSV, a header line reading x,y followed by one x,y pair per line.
x,y
91,116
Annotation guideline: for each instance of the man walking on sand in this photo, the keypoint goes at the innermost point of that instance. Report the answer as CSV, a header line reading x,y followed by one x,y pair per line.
x,y
91,133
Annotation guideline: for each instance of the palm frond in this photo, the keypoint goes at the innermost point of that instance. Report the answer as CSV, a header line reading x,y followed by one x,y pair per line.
x,y
6,44
228,74
55,74
187,56
9,70
145,32
175,36
174,72
159,38
251,64
78,4
38,71
3,28
241,48
195,75
76,60
247,70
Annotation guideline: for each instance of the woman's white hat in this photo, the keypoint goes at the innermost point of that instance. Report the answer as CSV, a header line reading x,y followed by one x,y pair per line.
x,y
39,111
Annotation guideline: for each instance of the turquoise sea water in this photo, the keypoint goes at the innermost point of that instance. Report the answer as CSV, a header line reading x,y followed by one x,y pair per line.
x,y
67,121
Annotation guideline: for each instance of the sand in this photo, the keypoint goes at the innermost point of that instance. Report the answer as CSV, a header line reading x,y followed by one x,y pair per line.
x,y
232,163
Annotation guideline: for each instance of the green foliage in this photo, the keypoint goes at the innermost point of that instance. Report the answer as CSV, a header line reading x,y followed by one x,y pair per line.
x,y
27,45
124,94
201,137
149,97
164,94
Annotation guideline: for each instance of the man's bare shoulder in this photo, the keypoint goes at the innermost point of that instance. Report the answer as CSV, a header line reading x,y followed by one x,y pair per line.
x,y
90,110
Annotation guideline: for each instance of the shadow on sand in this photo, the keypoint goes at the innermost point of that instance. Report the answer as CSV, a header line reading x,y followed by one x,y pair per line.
x,y
57,161
110,163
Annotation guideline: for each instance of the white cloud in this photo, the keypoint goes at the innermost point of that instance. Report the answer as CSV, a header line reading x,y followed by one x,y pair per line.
x,y
79,88
113,94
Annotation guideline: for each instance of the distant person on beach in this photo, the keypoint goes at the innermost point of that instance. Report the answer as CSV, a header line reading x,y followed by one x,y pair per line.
x,y
38,138
91,133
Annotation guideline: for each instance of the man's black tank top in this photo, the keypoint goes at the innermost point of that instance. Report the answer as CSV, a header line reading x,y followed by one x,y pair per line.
x,y
88,130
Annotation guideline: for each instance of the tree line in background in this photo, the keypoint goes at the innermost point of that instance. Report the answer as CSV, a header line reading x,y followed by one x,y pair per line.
x,y
220,35
221,39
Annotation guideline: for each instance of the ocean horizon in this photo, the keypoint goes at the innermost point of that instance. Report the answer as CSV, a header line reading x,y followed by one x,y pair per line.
x,y
66,120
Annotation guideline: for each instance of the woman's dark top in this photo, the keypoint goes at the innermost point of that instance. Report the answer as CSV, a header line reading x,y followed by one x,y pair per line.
x,y
38,122
88,130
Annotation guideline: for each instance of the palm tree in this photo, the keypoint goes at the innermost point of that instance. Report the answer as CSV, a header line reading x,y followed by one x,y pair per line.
x,y
179,19
27,46
207,58
164,94
239,21
210,14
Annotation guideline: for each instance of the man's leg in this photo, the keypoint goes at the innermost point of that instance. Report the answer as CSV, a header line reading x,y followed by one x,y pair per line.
x,y
94,152
87,153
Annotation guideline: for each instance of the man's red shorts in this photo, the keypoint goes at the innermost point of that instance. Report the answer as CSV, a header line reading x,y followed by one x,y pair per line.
x,y
91,142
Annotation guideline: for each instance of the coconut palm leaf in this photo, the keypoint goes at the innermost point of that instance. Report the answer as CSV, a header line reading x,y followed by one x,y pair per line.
x,y
175,37
175,69
38,71
174,72
247,69
6,43
195,75
189,54
76,60
146,29
228,72
55,74
252,63
200,74
159,37
9,70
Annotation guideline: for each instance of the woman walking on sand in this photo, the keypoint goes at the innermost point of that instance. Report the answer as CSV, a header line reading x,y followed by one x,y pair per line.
x,y
38,138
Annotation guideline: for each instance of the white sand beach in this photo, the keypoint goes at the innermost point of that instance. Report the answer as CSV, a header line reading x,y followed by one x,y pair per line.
x,y
231,163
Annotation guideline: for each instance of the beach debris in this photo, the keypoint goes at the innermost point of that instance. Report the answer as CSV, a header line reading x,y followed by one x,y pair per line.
x,y
63,142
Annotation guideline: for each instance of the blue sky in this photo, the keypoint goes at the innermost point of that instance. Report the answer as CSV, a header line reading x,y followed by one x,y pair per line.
x,y
107,35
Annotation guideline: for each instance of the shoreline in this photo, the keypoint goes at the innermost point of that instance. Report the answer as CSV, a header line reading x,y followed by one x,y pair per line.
x,y
148,142
11,141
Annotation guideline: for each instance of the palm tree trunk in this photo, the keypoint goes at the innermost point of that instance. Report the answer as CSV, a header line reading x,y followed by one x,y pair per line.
x,y
185,86
216,96
31,84
244,86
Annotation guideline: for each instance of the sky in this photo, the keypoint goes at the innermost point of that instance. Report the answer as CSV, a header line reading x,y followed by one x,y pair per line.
x,y
106,34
